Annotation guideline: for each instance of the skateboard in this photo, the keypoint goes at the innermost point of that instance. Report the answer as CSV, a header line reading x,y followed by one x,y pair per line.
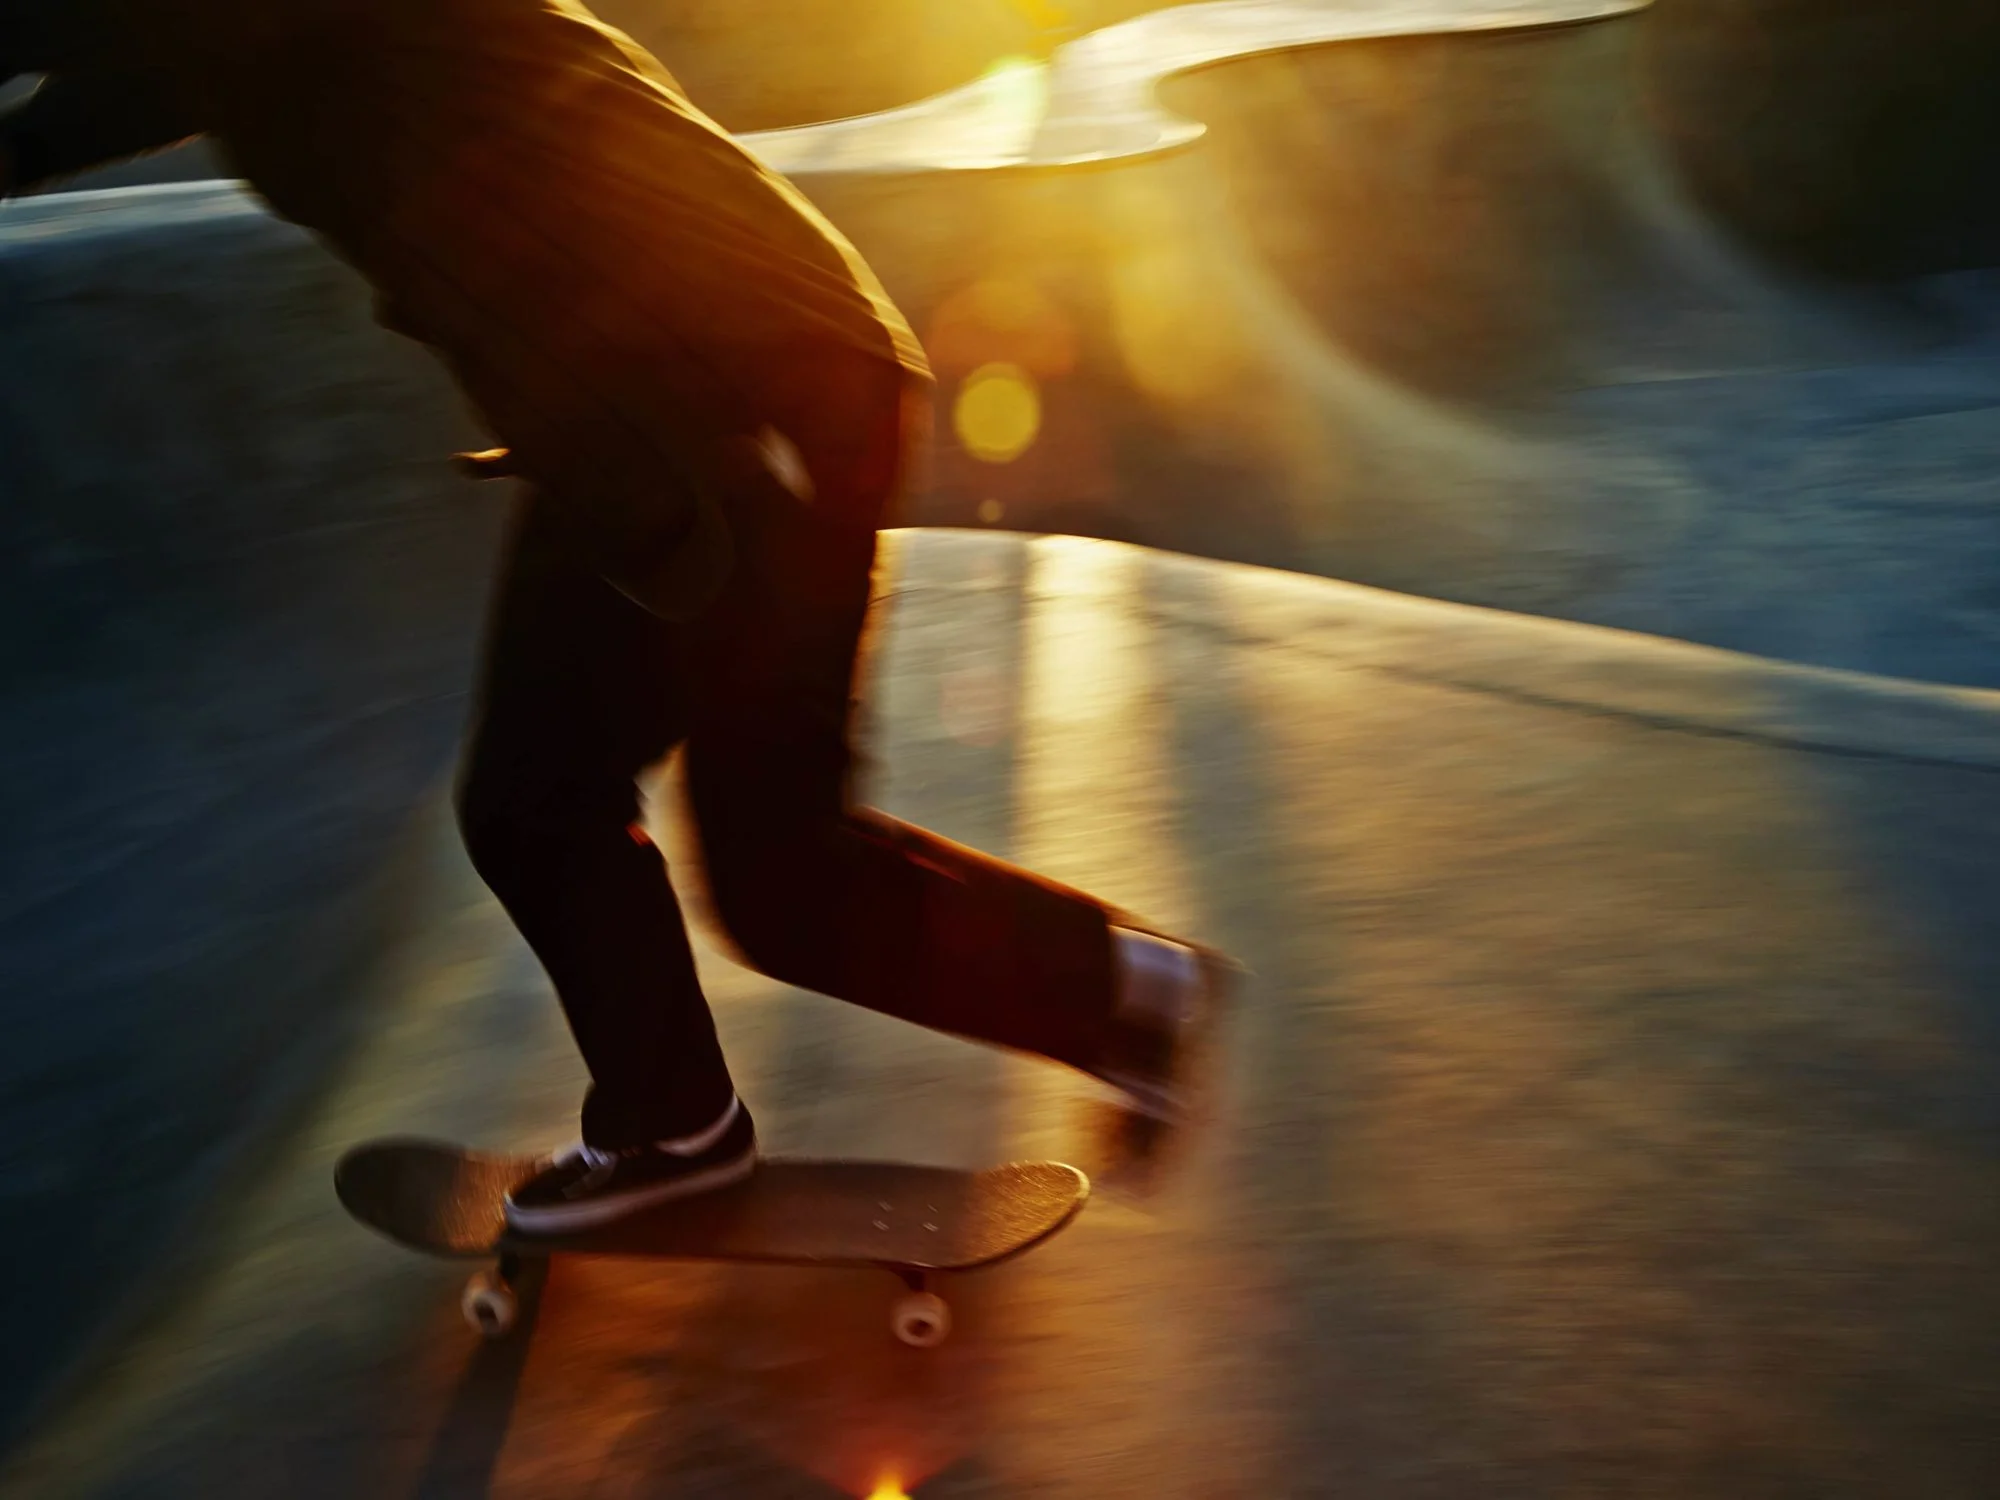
x,y
911,1221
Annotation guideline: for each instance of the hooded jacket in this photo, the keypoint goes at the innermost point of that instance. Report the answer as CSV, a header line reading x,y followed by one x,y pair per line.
x,y
628,296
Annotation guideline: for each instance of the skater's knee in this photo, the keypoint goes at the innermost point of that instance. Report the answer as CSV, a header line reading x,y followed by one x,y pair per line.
x,y
506,820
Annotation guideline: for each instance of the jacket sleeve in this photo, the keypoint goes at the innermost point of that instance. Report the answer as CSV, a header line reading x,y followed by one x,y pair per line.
x,y
76,121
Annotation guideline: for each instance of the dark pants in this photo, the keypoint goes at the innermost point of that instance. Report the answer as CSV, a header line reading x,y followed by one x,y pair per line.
x,y
581,689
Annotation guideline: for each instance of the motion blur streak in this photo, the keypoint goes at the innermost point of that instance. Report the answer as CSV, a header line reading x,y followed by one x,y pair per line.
x,y
1095,790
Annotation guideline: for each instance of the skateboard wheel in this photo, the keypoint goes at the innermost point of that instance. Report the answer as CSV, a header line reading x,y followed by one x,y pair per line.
x,y
922,1320
489,1304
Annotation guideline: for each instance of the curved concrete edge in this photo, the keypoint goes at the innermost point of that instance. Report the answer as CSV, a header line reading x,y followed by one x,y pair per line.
x,y
60,220
1604,668
1096,101
1669,684
78,221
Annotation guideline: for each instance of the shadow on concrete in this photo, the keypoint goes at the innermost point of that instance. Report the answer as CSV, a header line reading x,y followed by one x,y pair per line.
x,y
466,1449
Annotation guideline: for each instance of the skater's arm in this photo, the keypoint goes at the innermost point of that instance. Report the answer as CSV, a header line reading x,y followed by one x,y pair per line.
x,y
77,121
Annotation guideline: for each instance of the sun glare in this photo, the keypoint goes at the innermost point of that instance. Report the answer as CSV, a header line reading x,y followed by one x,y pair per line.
x,y
1013,97
889,1488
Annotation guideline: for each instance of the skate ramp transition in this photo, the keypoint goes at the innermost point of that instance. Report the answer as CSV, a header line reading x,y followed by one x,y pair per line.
x,y
1611,1106
1669,317
1679,318
237,594
242,587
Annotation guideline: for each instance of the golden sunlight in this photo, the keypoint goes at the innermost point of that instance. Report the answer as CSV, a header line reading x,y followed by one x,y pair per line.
x,y
1179,340
888,1488
1043,14
1002,317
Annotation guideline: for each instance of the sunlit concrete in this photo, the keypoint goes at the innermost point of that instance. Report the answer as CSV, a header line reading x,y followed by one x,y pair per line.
x,y
1095,100
1611,1108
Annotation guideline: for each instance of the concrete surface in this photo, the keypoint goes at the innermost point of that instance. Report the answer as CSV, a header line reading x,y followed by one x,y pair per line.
x,y
237,595
1612,1109
1686,951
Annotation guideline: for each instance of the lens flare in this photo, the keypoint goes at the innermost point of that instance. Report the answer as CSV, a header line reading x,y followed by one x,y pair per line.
x,y
998,413
1008,318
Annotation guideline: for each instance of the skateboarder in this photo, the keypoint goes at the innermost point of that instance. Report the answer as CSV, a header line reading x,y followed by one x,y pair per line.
x,y
713,403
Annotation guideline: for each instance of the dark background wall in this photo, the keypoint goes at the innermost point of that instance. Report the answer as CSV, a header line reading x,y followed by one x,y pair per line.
x,y
1860,137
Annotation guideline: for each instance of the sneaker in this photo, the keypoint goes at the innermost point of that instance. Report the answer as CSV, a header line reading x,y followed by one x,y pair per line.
x,y
1153,1055
586,1186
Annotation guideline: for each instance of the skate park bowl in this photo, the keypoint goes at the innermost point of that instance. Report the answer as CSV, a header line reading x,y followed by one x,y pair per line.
x,y
1579,426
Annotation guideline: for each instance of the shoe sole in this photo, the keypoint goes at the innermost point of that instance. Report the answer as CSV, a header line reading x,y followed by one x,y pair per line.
x,y
568,1217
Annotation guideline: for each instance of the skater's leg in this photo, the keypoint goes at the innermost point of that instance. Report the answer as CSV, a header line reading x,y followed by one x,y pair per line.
x,y
845,900
579,690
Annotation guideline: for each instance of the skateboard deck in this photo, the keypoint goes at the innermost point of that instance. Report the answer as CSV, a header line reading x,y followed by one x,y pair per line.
x,y
910,1220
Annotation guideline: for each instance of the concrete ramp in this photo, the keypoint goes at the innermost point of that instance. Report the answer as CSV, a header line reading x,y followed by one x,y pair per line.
x,y
1612,1107
1614,1098
1478,301
238,591
1523,303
